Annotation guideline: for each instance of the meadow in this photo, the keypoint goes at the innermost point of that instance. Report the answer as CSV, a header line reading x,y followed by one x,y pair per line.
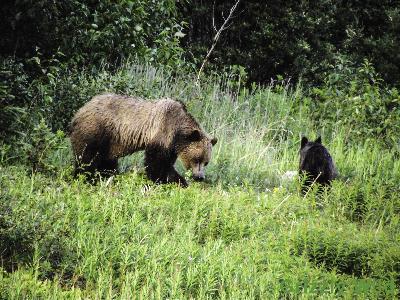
x,y
245,233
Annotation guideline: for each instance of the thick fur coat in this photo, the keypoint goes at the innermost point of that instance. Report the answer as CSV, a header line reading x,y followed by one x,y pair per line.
x,y
316,164
111,126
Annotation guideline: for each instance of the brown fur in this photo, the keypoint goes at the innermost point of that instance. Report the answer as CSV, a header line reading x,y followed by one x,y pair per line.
x,y
110,126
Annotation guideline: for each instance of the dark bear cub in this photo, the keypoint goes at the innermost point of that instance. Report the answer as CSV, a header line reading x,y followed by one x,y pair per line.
x,y
316,164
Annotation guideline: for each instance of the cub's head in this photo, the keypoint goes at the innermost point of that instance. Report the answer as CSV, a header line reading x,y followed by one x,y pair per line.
x,y
306,144
306,147
195,152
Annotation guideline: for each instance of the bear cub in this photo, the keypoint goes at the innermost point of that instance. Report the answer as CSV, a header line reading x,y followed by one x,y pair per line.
x,y
110,126
316,164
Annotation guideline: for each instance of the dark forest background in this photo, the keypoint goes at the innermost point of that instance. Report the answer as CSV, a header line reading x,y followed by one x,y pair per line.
x,y
298,38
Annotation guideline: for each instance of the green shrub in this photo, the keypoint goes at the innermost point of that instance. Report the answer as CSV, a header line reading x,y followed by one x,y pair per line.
x,y
15,96
39,145
355,98
88,32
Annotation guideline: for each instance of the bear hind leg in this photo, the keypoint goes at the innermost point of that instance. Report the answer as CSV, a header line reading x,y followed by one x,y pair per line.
x,y
86,162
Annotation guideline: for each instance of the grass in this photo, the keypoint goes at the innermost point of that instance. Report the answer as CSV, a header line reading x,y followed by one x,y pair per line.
x,y
246,233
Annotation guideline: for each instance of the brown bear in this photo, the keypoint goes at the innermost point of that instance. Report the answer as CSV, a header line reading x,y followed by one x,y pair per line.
x,y
110,126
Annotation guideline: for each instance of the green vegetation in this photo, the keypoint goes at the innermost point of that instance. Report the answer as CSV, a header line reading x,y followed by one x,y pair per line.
x,y
245,233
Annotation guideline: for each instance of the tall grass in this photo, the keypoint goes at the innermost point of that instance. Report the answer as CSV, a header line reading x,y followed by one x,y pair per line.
x,y
246,233
249,124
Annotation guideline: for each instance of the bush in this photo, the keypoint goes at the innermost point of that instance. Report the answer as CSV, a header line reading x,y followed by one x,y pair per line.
x,y
22,91
88,32
14,97
356,98
39,145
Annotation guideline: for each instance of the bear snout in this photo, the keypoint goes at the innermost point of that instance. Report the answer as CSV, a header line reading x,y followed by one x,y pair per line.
x,y
199,177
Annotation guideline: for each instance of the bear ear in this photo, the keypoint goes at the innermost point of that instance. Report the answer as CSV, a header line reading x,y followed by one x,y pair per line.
x,y
318,140
304,141
194,135
214,140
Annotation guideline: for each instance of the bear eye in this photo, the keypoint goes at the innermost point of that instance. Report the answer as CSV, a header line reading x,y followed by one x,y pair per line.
x,y
198,160
206,164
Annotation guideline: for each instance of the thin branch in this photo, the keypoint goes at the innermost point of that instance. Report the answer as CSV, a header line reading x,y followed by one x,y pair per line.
x,y
216,38
213,17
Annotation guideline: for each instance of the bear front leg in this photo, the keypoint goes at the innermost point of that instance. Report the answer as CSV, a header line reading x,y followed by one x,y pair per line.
x,y
174,177
159,166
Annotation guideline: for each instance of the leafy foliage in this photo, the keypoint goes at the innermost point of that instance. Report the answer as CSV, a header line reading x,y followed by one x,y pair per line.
x,y
14,96
357,98
39,145
88,32
297,38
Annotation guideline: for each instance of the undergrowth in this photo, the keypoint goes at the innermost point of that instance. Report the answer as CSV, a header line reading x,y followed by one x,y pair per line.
x,y
246,232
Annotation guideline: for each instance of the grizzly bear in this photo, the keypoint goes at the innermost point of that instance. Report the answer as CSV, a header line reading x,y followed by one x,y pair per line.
x,y
316,164
110,126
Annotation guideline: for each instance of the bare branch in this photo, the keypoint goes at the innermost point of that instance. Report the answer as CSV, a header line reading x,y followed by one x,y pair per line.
x,y
213,17
216,37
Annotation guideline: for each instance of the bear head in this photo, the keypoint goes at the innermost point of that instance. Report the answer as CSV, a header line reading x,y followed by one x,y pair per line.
x,y
195,152
305,147
306,144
